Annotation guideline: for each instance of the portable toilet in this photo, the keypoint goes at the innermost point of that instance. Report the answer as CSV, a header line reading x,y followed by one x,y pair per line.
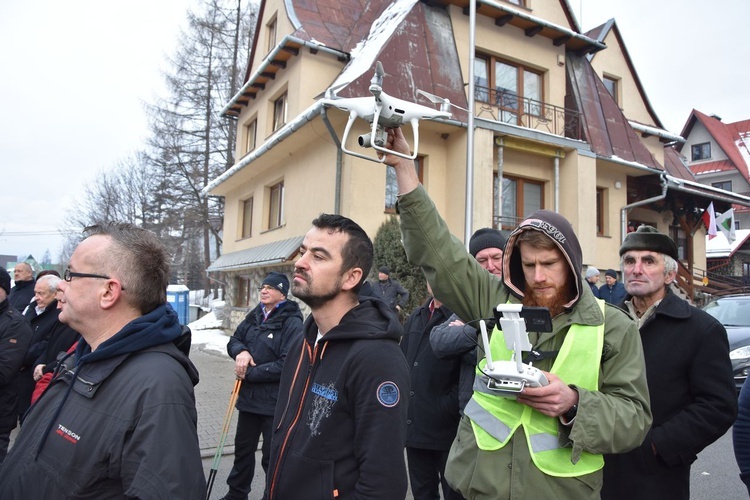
x,y
178,298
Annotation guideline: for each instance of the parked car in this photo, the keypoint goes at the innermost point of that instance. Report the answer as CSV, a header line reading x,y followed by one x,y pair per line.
x,y
733,311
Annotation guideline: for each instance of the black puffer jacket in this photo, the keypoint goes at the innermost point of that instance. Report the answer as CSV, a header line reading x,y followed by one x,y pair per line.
x,y
268,343
15,335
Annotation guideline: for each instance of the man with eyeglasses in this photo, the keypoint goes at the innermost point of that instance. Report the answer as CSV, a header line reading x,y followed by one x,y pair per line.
x,y
259,347
118,418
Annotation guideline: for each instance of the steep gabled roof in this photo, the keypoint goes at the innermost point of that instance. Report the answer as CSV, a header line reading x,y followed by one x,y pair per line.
x,y
600,33
732,138
606,128
675,166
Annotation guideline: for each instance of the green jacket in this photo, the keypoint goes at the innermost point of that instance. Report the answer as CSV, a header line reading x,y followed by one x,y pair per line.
x,y
614,419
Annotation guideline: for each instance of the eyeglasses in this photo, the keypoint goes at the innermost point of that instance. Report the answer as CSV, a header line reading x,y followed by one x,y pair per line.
x,y
69,275
266,287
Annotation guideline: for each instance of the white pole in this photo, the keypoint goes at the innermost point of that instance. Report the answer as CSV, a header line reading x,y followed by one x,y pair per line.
x,y
468,222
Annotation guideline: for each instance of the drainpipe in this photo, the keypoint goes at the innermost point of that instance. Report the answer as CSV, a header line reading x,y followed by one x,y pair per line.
x,y
624,210
339,160
500,160
557,184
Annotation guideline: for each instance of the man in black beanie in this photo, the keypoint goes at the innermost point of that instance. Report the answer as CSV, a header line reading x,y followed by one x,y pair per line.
x,y
259,347
15,335
689,375
454,338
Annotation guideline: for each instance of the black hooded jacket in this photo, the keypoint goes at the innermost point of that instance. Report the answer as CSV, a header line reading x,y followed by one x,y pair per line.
x,y
340,424
120,423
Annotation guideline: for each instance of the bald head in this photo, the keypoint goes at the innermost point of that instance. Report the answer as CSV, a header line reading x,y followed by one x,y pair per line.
x,y
23,272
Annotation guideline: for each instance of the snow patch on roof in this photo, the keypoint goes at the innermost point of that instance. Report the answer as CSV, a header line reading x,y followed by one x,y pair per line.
x,y
719,247
364,53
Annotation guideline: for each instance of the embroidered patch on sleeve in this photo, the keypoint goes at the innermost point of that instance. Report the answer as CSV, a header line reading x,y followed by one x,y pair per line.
x,y
388,394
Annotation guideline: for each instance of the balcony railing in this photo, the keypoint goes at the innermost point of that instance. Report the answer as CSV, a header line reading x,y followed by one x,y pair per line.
x,y
508,107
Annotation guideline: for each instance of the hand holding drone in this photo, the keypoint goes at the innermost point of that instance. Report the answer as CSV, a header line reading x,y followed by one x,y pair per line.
x,y
383,111
508,378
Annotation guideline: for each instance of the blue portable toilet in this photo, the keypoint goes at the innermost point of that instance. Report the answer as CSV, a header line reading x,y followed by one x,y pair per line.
x,y
178,298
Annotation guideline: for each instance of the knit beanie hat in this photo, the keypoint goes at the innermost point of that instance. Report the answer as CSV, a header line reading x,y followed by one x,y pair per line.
x,y
486,238
4,280
611,273
591,271
384,270
649,238
279,281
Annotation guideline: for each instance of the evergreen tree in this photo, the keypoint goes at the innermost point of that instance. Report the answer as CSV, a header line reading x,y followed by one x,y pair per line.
x,y
388,251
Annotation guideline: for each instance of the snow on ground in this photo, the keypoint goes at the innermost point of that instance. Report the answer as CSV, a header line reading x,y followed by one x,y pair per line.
x,y
207,332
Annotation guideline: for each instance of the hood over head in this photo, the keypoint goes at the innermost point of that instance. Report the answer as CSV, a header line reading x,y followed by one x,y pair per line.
x,y
560,231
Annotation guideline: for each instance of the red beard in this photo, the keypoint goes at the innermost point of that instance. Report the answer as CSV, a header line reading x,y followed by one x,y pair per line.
x,y
554,304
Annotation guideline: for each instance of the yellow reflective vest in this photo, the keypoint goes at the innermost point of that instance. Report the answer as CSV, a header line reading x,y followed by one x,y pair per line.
x,y
495,418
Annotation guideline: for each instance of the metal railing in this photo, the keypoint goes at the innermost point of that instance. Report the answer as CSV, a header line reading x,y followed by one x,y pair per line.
x,y
509,107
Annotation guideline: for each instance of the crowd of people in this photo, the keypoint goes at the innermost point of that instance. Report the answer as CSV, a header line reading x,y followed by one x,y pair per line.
x,y
356,400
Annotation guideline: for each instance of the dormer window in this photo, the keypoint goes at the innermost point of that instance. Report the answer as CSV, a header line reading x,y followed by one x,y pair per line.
x,y
701,151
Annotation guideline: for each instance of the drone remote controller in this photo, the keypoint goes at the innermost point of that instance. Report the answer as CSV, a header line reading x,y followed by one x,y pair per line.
x,y
509,378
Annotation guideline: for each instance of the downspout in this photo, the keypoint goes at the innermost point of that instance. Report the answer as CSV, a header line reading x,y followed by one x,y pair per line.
x,y
557,184
500,163
624,210
339,160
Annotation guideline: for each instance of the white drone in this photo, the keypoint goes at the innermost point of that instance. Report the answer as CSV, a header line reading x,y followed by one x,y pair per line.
x,y
383,111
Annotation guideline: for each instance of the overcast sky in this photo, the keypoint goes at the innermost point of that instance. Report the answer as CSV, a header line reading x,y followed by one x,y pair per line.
x,y
75,75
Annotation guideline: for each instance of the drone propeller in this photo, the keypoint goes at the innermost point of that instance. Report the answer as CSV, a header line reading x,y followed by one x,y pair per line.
x,y
332,92
444,102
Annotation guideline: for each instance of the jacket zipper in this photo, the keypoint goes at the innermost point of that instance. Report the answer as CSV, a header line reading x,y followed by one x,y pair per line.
x,y
295,420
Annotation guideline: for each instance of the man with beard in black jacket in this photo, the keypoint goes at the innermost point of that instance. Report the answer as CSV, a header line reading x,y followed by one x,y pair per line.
x,y
118,420
259,347
15,335
340,424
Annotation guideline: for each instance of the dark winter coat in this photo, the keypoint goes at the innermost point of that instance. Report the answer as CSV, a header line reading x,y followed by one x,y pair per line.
x,y
391,292
15,335
340,425
594,289
268,343
433,400
693,401
21,294
458,342
45,327
741,435
121,423
614,294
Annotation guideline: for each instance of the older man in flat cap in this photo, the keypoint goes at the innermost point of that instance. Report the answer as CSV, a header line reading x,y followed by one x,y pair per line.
x,y
690,381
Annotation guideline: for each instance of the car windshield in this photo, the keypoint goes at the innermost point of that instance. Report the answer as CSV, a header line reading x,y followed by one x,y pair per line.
x,y
730,312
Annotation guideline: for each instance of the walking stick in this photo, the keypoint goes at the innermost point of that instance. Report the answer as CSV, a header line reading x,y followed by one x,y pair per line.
x,y
223,438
